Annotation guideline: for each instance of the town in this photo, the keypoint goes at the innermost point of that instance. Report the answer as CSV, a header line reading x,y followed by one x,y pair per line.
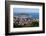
x,y
24,21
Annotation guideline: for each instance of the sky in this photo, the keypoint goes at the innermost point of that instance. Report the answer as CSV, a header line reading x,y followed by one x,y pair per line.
x,y
25,10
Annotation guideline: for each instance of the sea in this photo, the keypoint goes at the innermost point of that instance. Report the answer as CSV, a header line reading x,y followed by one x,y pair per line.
x,y
32,15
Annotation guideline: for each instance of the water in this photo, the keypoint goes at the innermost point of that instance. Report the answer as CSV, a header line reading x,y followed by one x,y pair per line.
x,y
32,15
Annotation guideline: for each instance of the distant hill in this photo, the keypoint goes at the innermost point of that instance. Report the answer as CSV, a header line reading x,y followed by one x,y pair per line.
x,y
33,15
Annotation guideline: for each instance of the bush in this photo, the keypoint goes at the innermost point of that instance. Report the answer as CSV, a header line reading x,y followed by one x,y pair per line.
x,y
35,24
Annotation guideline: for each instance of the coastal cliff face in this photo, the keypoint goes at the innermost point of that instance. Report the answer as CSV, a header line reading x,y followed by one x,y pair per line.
x,y
24,21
